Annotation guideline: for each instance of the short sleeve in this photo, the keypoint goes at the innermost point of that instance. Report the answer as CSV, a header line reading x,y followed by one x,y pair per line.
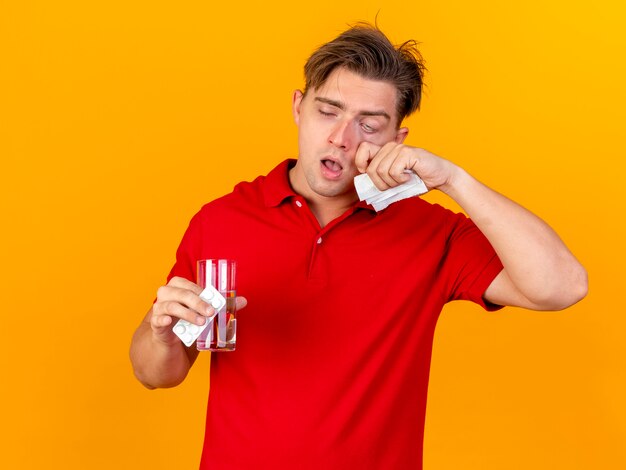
x,y
187,252
470,263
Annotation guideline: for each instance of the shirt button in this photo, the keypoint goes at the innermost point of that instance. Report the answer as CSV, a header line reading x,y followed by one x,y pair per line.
x,y
319,240
298,203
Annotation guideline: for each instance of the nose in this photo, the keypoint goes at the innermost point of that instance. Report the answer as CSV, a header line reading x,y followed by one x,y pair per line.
x,y
342,136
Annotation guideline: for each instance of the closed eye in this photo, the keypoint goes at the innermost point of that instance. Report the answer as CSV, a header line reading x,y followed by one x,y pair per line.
x,y
368,129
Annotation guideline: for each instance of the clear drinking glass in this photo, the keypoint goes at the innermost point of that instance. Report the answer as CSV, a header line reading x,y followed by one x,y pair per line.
x,y
221,332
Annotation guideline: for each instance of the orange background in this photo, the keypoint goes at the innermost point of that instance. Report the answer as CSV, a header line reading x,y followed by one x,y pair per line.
x,y
118,120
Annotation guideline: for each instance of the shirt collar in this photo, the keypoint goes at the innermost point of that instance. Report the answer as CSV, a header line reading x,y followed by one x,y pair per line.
x,y
277,187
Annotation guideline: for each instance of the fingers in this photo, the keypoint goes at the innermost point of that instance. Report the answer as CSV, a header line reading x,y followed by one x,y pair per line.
x,y
386,165
179,299
167,296
165,312
240,302
364,154
183,283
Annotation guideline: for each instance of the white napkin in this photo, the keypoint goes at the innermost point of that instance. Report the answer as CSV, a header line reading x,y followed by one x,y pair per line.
x,y
381,199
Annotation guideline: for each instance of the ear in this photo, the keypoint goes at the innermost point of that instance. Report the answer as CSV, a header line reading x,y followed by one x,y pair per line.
x,y
401,134
295,105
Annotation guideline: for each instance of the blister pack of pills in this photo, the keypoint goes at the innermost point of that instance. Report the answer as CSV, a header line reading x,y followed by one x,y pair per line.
x,y
369,193
189,332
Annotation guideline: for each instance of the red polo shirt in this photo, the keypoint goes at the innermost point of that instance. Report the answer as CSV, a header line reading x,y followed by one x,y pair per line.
x,y
334,347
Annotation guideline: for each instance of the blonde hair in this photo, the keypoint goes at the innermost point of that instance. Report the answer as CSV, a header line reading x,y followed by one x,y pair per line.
x,y
365,50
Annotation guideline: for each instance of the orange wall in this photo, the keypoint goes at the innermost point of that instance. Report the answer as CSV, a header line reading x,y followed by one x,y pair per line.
x,y
119,119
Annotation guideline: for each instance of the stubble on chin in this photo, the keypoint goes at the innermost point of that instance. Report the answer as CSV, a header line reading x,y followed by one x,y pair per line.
x,y
330,189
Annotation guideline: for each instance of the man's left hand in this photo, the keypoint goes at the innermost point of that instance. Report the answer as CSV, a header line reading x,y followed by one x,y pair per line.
x,y
386,165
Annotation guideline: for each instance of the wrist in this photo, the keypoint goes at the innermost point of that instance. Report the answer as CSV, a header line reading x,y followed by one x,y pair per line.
x,y
457,180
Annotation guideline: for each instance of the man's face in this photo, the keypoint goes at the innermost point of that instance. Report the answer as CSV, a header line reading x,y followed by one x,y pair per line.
x,y
333,121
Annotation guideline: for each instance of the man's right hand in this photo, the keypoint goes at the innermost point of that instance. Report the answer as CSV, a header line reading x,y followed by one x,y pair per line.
x,y
159,357
179,298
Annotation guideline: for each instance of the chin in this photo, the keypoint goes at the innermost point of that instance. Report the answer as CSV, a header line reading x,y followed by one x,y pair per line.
x,y
336,191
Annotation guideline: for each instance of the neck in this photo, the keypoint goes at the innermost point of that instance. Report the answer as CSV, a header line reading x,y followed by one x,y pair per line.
x,y
324,208
326,212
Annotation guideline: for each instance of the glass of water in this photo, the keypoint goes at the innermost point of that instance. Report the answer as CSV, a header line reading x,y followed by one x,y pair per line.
x,y
221,331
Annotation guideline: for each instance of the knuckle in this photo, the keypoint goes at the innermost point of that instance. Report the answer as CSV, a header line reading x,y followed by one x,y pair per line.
x,y
176,281
173,309
161,292
165,307
188,297
156,311
397,170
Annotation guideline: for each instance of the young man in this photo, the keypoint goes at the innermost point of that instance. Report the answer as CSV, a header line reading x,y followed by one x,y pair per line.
x,y
333,350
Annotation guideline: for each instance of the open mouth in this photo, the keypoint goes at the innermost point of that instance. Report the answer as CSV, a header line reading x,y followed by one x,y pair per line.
x,y
331,168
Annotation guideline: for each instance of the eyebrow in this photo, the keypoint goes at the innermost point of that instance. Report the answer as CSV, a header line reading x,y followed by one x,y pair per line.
x,y
340,105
